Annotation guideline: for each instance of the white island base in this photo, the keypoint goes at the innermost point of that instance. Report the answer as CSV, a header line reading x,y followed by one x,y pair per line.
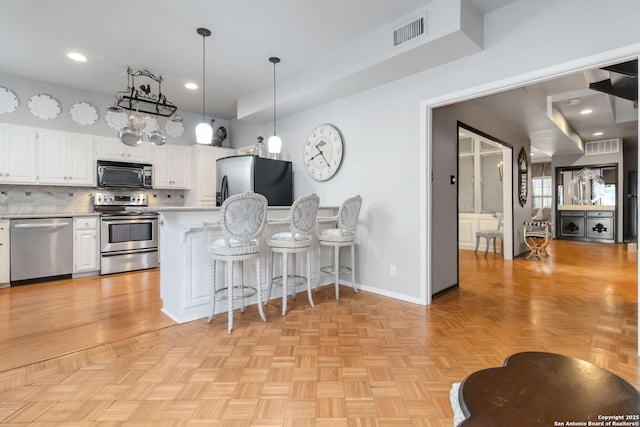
x,y
185,286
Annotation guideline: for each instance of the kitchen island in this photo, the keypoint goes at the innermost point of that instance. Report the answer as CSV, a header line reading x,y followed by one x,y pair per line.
x,y
185,287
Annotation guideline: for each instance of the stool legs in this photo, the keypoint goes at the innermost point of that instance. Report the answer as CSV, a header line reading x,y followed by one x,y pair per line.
x,y
285,277
212,280
259,289
353,268
230,289
309,278
229,296
336,269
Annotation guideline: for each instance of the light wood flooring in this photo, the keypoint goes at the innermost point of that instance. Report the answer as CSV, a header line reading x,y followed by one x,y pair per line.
x,y
104,356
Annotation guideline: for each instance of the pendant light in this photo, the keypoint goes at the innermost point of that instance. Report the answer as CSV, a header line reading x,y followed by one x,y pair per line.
x,y
204,131
274,144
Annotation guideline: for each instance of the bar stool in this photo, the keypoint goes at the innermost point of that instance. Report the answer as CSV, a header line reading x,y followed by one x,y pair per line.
x,y
242,219
301,220
343,235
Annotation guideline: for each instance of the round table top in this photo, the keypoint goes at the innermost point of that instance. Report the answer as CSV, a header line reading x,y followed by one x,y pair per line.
x,y
546,389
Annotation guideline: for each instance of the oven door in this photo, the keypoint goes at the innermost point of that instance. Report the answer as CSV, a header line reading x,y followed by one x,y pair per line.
x,y
128,232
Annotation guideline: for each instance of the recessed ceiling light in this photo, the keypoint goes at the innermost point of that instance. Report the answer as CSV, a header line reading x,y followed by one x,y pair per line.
x,y
77,56
191,86
598,133
587,111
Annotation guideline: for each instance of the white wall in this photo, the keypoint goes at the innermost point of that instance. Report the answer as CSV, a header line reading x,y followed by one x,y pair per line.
x,y
524,41
25,89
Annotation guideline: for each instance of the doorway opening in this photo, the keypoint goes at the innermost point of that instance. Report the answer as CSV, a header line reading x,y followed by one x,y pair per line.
x,y
485,199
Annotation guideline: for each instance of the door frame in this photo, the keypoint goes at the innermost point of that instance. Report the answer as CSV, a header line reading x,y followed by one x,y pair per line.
x,y
427,106
507,193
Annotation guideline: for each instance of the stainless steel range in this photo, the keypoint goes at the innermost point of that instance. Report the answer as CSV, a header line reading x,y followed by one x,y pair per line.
x,y
128,239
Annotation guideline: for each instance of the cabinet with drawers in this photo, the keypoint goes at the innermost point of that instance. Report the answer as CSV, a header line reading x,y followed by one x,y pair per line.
x,y
587,225
86,250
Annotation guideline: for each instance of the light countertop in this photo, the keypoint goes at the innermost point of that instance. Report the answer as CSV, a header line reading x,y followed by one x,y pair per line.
x,y
48,215
586,208
202,209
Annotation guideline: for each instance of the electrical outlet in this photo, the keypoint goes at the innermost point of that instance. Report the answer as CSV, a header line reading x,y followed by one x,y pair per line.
x,y
392,270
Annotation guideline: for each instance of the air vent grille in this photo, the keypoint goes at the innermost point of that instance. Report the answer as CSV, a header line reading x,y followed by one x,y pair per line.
x,y
605,146
410,31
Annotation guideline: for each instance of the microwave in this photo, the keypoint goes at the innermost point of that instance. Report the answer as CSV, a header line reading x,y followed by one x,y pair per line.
x,y
124,175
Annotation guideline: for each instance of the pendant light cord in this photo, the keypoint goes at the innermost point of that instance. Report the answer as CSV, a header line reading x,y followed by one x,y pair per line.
x,y
204,57
274,97
274,60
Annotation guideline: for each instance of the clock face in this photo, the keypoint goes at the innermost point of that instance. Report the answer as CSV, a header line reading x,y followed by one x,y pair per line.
x,y
323,152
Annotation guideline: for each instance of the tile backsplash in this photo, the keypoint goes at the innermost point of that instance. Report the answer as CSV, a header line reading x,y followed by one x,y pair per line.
x,y
30,199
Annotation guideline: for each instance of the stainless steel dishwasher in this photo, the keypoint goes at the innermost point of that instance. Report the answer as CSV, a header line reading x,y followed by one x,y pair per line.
x,y
41,250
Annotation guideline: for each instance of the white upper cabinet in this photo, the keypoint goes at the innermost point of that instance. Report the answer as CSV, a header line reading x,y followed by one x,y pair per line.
x,y
66,159
171,167
17,155
114,149
203,174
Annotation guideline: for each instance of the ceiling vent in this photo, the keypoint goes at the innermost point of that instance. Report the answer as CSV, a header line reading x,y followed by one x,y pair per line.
x,y
410,31
605,146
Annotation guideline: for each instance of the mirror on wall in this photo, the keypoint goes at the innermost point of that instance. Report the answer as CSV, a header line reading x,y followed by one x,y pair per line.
x,y
587,185
480,174
523,177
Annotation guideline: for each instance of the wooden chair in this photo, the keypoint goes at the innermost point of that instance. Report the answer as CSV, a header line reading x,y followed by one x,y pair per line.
x,y
536,237
491,235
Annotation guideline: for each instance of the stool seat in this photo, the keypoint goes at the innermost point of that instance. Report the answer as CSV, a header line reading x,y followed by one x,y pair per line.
x,y
242,219
536,237
301,222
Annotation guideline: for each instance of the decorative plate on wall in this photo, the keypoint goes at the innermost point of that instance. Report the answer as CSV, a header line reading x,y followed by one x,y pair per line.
x,y
116,120
174,129
83,113
8,101
44,107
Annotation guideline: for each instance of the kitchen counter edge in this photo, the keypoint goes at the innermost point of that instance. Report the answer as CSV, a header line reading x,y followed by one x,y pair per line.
x,y
48,215
201,209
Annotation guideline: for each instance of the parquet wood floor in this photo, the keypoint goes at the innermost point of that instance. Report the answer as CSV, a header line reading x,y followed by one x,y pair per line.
x,y
363,360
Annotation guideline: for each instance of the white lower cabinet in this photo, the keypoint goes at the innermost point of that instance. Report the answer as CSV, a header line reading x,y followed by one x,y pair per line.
x,y
86,249
4,252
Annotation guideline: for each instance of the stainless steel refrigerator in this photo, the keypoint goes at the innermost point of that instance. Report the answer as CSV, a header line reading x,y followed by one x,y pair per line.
x,y
271,178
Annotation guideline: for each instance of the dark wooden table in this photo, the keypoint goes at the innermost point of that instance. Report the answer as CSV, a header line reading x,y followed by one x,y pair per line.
x,y
545,389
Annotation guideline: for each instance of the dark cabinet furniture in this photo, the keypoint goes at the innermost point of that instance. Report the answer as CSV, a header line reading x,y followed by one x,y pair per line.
x,y
587,202
587,225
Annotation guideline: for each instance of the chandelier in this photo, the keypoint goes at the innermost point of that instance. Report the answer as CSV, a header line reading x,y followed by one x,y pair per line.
x,y
141,98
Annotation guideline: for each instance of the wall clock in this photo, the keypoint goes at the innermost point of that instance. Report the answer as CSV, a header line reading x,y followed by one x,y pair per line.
x,y
323,151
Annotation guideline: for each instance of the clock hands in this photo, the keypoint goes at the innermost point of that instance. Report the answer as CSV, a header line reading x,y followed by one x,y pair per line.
x,y
320,153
